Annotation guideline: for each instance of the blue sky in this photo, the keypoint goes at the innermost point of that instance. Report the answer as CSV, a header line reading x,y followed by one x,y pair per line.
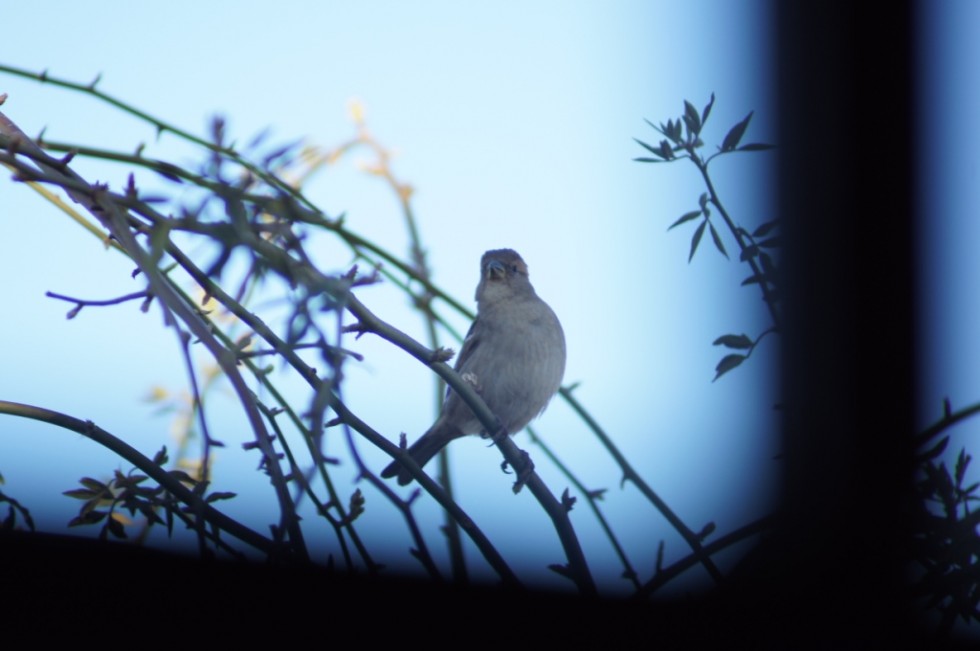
x,y
949,228
514,124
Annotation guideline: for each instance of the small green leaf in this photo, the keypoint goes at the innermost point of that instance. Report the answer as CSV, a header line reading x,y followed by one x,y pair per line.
x,y
692,119
116,528
182,477
749,252
692,113
764,229
163,171
686,217
735,134
962,461
717,240
81,493
756,146
92,517
696,240
767,266
648,147
93,484
727,363
214,497
707,110
740,342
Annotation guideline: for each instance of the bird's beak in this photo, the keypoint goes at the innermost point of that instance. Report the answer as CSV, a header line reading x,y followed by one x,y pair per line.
x,y
496,269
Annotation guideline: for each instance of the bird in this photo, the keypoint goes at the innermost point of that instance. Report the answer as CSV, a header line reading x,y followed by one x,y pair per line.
x,y
513,355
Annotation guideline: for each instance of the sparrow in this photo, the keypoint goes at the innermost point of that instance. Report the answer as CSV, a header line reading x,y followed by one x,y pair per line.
x,y
513,355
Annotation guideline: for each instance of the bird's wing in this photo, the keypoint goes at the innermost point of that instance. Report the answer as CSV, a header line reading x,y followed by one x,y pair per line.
x,y
470,343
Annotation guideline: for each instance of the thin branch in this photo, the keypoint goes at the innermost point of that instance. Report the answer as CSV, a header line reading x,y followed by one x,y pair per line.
x,y
629,474
89,430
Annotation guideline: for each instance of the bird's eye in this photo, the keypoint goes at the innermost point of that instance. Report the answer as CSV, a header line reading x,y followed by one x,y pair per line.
x,y
513,268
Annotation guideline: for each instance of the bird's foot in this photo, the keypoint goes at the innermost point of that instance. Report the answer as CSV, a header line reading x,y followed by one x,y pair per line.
x,y
524,470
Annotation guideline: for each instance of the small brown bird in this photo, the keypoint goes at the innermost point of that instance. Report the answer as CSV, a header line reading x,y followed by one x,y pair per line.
x,y
513,355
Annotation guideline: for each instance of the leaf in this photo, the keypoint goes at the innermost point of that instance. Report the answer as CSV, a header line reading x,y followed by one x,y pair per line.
x,y
767,266
93,484
756,146
649,148
727,363
686,217
81,493
755,278
182,477
121,518
772,242
763,229
660,556
92,517
696,240
160,457
649,160
735,134
692,119
116,528
749,252
219,495
739,342
170,176
717,240
707,109
962,461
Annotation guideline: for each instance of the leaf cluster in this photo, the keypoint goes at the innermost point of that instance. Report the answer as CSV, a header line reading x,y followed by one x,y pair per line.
x,y
105,502
946,544
682,140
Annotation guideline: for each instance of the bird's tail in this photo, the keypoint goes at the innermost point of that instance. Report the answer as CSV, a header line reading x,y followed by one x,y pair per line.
x,y
422,451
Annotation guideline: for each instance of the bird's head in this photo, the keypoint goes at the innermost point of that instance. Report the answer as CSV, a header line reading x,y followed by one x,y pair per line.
x,y
503,274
